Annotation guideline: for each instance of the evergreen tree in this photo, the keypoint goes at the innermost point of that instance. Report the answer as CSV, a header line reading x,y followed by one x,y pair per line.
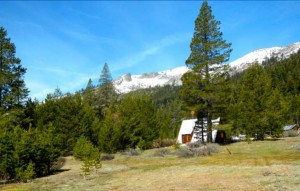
x,y
109,134
138,122
89,154
7,158
202,86
105,76
254,92
89,94
12,86
276,109
106,92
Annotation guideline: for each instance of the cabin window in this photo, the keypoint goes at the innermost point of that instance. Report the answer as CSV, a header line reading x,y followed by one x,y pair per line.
x,y
186,138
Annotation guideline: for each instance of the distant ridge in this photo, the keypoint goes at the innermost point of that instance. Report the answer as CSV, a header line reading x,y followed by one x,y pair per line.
x,y
263,54
127,82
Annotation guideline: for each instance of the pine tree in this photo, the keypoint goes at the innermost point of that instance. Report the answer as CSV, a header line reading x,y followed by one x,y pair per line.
x,y
254,95
105,76
106,91
276,107
109,134
84,150
12,86
138,122
202,86
89,94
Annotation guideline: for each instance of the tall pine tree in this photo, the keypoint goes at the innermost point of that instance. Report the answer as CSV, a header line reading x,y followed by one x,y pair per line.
x,y
106,91
202,86
12,86
105,76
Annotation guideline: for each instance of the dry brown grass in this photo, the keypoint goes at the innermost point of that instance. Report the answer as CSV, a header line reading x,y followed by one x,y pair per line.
x,y
261,165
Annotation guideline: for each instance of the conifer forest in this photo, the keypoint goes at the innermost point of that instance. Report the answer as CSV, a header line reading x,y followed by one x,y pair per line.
x,y
33,134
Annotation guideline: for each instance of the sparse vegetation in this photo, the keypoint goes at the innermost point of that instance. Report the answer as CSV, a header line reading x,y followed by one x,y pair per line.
x,y
290,133
163,143
161,152
184,152
131,152
262,165
196,149
85,151
107,157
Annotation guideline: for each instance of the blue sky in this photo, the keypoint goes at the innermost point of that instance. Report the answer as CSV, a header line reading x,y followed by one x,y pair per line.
x,y
63,44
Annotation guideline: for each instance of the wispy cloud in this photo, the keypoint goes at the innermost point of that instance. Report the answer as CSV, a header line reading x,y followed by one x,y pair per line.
x,y
150,50
82,13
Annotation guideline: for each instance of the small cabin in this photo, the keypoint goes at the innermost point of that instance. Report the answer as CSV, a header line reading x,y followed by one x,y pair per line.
x,y
294,127
188,132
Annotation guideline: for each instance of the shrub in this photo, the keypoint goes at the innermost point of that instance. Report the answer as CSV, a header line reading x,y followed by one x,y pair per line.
x,y
176,146
82,148
107,157
156,144
163,143
167,142
58,164
184,153
212,148
204,150
290,133
161,152
201,151
195,144
25,173
196,149
131,152
86,151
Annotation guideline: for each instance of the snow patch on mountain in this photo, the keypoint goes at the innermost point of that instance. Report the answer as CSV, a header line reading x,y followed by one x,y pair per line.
x,y
128,82
262,55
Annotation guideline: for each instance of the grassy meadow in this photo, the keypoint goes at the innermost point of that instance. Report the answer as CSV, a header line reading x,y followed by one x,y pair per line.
x,y
260,165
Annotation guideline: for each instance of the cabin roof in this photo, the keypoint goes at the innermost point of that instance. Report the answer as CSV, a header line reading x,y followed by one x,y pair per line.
x,y
187,126
288,127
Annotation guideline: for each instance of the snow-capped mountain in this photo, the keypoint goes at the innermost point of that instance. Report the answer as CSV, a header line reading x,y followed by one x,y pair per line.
x,y
264,54
128,82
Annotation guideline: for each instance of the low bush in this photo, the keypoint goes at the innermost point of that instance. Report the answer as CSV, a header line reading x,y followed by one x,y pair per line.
x,y
212,148
131,152
184,152
290,133
107,157
84,149
167,142
176,146
163,143
161,152
195,144
196,149
26,174
58,164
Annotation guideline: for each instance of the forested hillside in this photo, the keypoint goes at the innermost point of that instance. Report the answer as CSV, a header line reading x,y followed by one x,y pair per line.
x,y
265,97
33,135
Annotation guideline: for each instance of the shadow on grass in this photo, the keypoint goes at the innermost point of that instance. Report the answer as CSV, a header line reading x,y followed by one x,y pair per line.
x,y
58,171
54,172
273,139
